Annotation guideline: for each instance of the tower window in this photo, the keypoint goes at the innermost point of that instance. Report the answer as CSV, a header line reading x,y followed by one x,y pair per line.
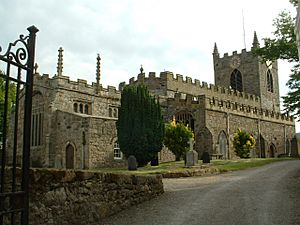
x,y
236,81
270,81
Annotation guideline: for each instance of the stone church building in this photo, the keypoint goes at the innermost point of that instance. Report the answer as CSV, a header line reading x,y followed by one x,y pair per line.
x,y
74,123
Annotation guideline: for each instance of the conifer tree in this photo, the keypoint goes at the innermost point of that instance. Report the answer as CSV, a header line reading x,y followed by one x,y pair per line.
x,y
140,125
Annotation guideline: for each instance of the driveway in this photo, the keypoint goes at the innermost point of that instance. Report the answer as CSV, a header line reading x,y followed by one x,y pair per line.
x,y
259,196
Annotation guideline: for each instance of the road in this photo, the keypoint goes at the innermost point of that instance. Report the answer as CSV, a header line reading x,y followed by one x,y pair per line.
x,y
258,196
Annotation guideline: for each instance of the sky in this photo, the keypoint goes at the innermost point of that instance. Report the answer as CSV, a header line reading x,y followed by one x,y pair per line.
x,y
171,35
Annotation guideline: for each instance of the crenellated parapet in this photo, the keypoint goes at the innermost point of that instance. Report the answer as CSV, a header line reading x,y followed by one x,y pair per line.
x,y
231,107
168,84
65,83
242,109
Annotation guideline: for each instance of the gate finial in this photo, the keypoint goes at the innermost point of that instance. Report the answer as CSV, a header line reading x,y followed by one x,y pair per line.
x,y
60,62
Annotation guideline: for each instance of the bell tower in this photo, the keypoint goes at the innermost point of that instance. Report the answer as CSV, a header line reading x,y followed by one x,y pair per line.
x,y
246,72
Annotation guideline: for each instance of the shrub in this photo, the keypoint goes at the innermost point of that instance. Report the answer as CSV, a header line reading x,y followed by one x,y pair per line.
x,y
243,142
177,138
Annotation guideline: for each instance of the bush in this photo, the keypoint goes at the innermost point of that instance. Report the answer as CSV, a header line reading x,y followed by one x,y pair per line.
x,y
243,142
177,138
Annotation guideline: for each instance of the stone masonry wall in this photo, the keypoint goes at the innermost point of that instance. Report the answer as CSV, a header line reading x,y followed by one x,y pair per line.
x,y
84,198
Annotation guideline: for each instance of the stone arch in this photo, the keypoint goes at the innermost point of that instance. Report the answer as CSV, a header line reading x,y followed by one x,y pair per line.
x,y
70,156
272,150
185,117
262,146
236,80
204,142
222,145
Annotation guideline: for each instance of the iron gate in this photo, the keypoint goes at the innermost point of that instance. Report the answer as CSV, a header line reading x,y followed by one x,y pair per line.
x,y
16,84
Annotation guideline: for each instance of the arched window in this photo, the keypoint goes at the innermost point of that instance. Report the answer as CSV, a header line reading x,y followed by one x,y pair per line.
x,y
270,81
37,119
75,106
117,152
185,118
110,112
86,109
236,81
80,108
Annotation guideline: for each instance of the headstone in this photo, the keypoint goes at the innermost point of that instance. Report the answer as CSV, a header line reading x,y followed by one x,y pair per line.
x,y
132,164
206,157
155,162
191,158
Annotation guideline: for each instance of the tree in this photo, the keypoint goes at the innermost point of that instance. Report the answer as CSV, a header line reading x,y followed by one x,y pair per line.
x,y
177,137
242,143
140,125
11,98
284,46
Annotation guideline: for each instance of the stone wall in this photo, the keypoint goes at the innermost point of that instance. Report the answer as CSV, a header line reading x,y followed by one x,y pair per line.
x,y
83,198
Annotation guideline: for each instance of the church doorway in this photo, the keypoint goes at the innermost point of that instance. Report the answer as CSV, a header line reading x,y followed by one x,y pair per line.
x,y
272,151
69,157
262,147
222,145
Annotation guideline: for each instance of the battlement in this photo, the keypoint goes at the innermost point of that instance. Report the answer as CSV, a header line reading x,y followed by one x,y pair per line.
x,y
187,85
244,109
66,83
227,106
243,51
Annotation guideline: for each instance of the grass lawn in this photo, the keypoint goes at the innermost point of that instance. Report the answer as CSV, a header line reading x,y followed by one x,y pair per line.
x,y
177,167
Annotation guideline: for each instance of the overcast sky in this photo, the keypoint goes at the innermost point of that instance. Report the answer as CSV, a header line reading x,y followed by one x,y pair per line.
x,y
173,35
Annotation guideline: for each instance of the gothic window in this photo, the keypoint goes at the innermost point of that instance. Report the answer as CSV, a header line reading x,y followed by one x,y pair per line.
x,y
80,108
270,81
37,119
117,152
236,81
110,112
86,109
75,106
36,129
185,118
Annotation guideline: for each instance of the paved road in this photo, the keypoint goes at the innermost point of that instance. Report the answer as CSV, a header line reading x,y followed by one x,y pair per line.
x,y
268,195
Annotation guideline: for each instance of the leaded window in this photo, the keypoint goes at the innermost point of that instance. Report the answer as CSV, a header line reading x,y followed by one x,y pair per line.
x,y
236,81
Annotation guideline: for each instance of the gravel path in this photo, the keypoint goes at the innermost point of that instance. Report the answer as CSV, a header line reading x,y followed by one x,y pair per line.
x,y
259,196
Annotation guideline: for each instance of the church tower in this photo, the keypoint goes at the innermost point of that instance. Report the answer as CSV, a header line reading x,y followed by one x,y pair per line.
x,y
246,72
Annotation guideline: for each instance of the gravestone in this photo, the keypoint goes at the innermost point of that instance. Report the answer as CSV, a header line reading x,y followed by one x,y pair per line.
x,y
132,164
206,157
155,162
191,158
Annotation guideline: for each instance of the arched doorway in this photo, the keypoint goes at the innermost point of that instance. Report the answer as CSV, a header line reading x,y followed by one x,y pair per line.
x,y
222,145
272,151
262,147
69,157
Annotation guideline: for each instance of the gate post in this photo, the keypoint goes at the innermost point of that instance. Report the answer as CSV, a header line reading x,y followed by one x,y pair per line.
x,y
27,121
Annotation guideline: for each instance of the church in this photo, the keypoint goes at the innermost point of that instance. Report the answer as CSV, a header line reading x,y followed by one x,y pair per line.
x,y
74,123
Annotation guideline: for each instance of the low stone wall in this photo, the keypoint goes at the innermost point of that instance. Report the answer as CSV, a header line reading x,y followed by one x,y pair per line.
x,y
83,198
